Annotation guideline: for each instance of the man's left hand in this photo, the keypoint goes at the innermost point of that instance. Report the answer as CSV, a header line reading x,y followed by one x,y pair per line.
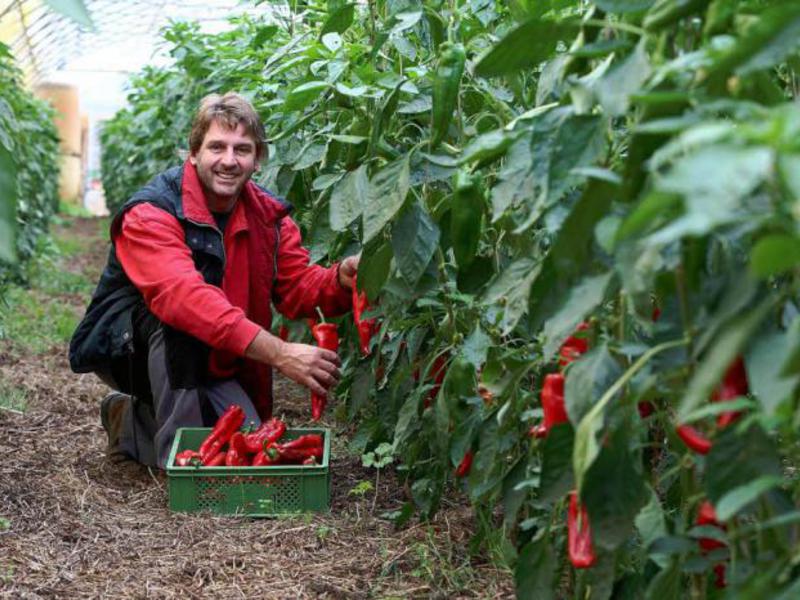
x,y
347,270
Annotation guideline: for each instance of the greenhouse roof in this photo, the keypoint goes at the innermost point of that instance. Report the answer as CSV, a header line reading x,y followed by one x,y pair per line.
x,y
121,35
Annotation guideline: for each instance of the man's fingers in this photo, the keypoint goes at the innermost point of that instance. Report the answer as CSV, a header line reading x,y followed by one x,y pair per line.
x,y
330,356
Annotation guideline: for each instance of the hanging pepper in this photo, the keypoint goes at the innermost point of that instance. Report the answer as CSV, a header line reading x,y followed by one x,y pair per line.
x,y
366,327
226,425
694,439
237,455
706,515
734,384
645,408
574,346
463,468
437,373
188,458
326,337
446,84
579,535
267,432
466,217
552,397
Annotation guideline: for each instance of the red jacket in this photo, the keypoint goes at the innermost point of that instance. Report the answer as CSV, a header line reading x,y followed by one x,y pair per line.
x,y
152,250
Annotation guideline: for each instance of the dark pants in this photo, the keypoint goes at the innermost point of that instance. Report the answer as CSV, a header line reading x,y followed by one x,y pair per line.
x,y
146,425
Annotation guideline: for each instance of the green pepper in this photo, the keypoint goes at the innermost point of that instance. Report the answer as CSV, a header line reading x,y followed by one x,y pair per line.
x,y
466,217
446,83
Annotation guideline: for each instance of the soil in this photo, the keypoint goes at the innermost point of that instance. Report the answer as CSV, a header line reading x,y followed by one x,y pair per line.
x,y
73,524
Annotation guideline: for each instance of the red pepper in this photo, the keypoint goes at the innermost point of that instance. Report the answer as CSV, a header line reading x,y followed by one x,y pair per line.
x,y
574,346
437,373
706,515
218,460
293,455
694,439
311,440
326,337
311,460
579,535
188,458
237,453
463,468
734,384
552,398
268,432
366,327
645,408
283,333
262,459
226,425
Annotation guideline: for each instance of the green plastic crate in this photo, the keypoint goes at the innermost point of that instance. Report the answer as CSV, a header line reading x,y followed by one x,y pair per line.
x,y
249,491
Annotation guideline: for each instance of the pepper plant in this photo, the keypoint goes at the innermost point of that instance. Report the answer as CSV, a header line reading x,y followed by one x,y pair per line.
x,y
516,175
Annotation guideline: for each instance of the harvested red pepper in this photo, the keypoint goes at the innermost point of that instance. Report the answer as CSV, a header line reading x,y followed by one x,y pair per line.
x,y
694,439
230,422
326,337
706,515
266,433
579,535
311,460
574,346
237,455
552,397
311,440
293,455
463,468
262,459
734,384
366,327
188,458
218,460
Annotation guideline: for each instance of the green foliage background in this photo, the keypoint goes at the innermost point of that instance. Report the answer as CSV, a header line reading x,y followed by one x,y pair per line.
x,y
28,170
601,160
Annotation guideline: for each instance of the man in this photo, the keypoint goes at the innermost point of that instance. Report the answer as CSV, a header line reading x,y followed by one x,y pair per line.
x,y
180,319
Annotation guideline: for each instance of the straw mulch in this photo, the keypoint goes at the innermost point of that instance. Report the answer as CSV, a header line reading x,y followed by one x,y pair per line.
x,y
80,526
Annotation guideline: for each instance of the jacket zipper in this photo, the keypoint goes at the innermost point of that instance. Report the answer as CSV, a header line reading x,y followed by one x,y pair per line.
x,y
221,239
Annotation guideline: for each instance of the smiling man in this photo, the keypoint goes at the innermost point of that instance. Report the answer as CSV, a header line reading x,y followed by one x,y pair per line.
x,y
179,323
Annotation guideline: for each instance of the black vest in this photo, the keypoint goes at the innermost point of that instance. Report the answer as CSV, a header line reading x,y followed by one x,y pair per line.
x,y
105,341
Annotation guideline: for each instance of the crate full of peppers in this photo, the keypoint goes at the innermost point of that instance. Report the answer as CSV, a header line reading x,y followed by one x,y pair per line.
x,y
263,471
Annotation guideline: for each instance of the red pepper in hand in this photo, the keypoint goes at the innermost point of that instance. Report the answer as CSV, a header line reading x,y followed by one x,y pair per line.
x,y
552,397
237,455
579,535
734,384
366,327
326,337
463,468
226,425
188,458
574,346
706,515
268,432
694,439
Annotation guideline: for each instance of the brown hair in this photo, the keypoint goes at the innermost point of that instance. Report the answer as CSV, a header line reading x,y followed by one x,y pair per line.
x,y
229,110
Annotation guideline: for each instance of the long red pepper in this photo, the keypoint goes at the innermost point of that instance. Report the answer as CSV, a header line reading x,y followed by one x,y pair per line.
x,y
267,432
326,337
706,515
188,458
366,327
226,425
574,346
552,397
237,455
694,439
310,440
734,384
437,373
579,535
464,467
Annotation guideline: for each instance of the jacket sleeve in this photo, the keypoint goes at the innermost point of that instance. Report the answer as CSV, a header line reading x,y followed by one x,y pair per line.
x,y
300,286
151,248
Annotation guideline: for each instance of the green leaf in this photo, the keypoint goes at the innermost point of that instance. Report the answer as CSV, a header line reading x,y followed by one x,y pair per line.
x,y
624,6
75,10
735,500
525,46
486,148
614,492
727,345
737,459
373,268
775,254
415,238
476,346
621,81
8,206
348,198
764,372
511,288
536,571
588,378
303,95
581,302
556,479
386,195
666,585
651,525
339,19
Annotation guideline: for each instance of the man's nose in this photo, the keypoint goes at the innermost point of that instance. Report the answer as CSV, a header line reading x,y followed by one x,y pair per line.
x,y
229,157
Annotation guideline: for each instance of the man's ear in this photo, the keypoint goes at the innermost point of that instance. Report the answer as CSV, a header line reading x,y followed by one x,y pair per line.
x,y
193,159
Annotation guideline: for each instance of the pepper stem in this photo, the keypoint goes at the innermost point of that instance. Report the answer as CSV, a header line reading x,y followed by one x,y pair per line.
x,y
321,315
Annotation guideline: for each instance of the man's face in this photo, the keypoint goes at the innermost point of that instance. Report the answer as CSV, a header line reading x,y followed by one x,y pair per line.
x,y
225,162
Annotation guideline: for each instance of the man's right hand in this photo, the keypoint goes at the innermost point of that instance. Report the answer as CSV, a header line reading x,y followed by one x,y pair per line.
x,y
315,368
